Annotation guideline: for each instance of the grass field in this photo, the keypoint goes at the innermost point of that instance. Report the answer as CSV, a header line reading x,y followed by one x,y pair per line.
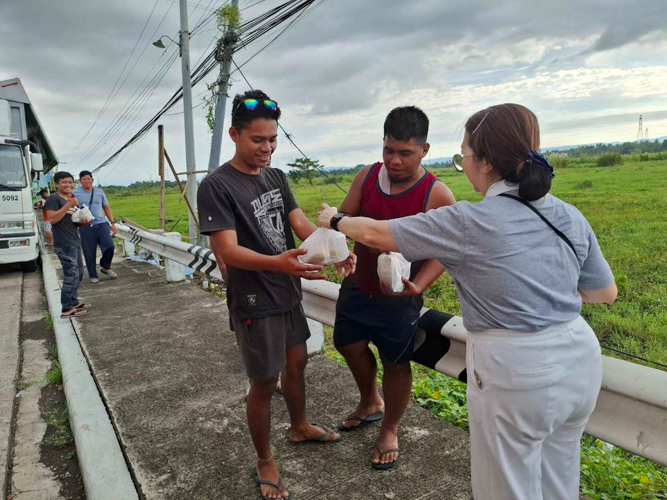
x,y
626,206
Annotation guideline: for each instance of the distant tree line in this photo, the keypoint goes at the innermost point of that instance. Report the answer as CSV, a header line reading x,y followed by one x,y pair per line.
x,y
626,148
137,187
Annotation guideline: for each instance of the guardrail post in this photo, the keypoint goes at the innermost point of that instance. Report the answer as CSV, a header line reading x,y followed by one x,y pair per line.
x,y
175,271
315,343
129,250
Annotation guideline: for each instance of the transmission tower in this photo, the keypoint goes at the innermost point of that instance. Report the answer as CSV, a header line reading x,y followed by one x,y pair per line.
x,y
640,132
646,135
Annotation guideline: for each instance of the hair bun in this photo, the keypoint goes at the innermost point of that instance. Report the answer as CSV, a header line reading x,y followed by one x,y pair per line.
x,y
535,181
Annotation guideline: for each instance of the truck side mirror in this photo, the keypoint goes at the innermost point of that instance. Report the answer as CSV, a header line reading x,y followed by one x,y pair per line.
x,y
36,162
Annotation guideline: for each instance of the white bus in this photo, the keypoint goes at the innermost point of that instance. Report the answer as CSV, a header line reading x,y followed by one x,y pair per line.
x,y
25,152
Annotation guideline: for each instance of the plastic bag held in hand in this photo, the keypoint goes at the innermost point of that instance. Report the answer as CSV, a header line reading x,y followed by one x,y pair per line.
x,y
325,247
82,216
392,268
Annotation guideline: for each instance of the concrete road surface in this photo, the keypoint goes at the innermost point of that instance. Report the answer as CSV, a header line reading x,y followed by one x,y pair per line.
x,y
170,372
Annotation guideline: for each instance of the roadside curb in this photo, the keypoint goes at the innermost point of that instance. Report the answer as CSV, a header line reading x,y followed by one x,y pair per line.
x,y
103,467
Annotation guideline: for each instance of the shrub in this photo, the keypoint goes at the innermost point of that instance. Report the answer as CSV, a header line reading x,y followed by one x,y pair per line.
x,y
609,160
559,162
333,179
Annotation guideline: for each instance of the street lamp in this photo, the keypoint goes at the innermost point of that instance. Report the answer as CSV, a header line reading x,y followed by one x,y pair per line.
x,y
190,161
160,44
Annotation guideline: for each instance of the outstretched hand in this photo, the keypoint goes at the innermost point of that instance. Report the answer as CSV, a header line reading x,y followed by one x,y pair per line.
x,y
347,267
409,289
289,263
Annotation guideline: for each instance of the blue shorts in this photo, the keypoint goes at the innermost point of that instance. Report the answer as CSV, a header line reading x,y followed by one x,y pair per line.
x,y
389,322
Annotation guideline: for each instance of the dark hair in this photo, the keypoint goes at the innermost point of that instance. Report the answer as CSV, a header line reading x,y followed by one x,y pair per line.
x,y
43,191
84,173
406,123
504,135
62,175
242,116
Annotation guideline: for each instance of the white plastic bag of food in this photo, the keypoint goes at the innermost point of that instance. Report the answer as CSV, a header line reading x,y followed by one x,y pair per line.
x,y
392,267
325,247
82,216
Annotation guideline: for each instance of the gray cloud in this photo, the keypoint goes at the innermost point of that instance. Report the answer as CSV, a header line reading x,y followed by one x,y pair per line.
x,y
338,71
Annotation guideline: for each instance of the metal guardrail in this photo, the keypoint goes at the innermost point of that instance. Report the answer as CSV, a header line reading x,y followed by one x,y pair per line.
x,y
631,410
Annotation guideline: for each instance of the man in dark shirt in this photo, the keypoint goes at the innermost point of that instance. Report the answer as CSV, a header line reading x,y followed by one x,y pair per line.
x,y
249,211
59,207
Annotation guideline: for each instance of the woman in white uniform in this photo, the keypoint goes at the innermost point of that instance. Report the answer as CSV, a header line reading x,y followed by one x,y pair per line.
x,y
523,262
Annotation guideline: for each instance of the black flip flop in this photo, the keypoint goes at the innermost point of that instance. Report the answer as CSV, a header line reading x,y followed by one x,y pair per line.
x,y
278,486
319,439
83,306
76,314
388,466
363,421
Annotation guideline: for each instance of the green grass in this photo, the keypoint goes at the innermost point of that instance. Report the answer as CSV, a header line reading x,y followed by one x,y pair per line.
x,y
48,321
62,434
55,374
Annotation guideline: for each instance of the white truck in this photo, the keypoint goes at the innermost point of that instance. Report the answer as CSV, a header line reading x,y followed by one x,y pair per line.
x,y
24,152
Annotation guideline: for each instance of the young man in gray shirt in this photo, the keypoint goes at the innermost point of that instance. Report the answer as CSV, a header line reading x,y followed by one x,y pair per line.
x,y
249,211
60,206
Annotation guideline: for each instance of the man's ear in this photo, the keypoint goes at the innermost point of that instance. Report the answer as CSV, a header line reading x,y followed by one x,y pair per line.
x,y
425,149
234,134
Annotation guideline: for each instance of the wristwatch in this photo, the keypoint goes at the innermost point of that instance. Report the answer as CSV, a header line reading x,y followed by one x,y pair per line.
x,y
335,220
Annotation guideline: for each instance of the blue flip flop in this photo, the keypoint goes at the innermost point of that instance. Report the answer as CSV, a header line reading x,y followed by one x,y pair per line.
x,y
363,421
278,486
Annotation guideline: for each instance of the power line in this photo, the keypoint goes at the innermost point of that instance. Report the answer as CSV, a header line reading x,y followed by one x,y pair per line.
x,y
289,137
109,98
114,128
250,6
131,103
253,30
95,144
190,5
139,106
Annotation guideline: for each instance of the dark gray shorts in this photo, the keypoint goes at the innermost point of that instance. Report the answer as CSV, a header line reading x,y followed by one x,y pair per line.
x,y
264,341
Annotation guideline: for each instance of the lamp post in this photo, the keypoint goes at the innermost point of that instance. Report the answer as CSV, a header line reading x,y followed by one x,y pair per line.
x,y
190,161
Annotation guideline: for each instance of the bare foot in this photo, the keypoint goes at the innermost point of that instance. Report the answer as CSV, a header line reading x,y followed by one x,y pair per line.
x,y
268,471
362,410
312,433
386,441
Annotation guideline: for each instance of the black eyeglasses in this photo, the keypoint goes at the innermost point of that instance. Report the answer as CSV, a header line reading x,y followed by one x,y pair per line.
x,y
457,160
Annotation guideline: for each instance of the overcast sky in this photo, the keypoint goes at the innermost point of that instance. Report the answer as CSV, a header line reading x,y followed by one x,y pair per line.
x,y
588,69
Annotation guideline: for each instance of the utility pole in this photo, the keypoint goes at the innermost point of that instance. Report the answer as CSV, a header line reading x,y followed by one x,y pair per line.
x,y
190,160
160,162
224,55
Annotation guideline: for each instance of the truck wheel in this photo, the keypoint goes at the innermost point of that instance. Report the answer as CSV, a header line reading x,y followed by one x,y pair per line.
x,y
29,267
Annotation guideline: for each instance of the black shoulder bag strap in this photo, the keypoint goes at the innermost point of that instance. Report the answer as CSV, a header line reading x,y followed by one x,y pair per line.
x,y
539,214
92,193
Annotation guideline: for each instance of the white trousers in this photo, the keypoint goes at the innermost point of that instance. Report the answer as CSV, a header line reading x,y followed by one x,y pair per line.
x,y
529,398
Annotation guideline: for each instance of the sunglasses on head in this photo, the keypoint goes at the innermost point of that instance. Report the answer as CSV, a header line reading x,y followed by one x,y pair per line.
x,y
252,104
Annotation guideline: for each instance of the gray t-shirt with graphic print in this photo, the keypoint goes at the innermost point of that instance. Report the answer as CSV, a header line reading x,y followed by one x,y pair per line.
x,y
257,207
510,269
